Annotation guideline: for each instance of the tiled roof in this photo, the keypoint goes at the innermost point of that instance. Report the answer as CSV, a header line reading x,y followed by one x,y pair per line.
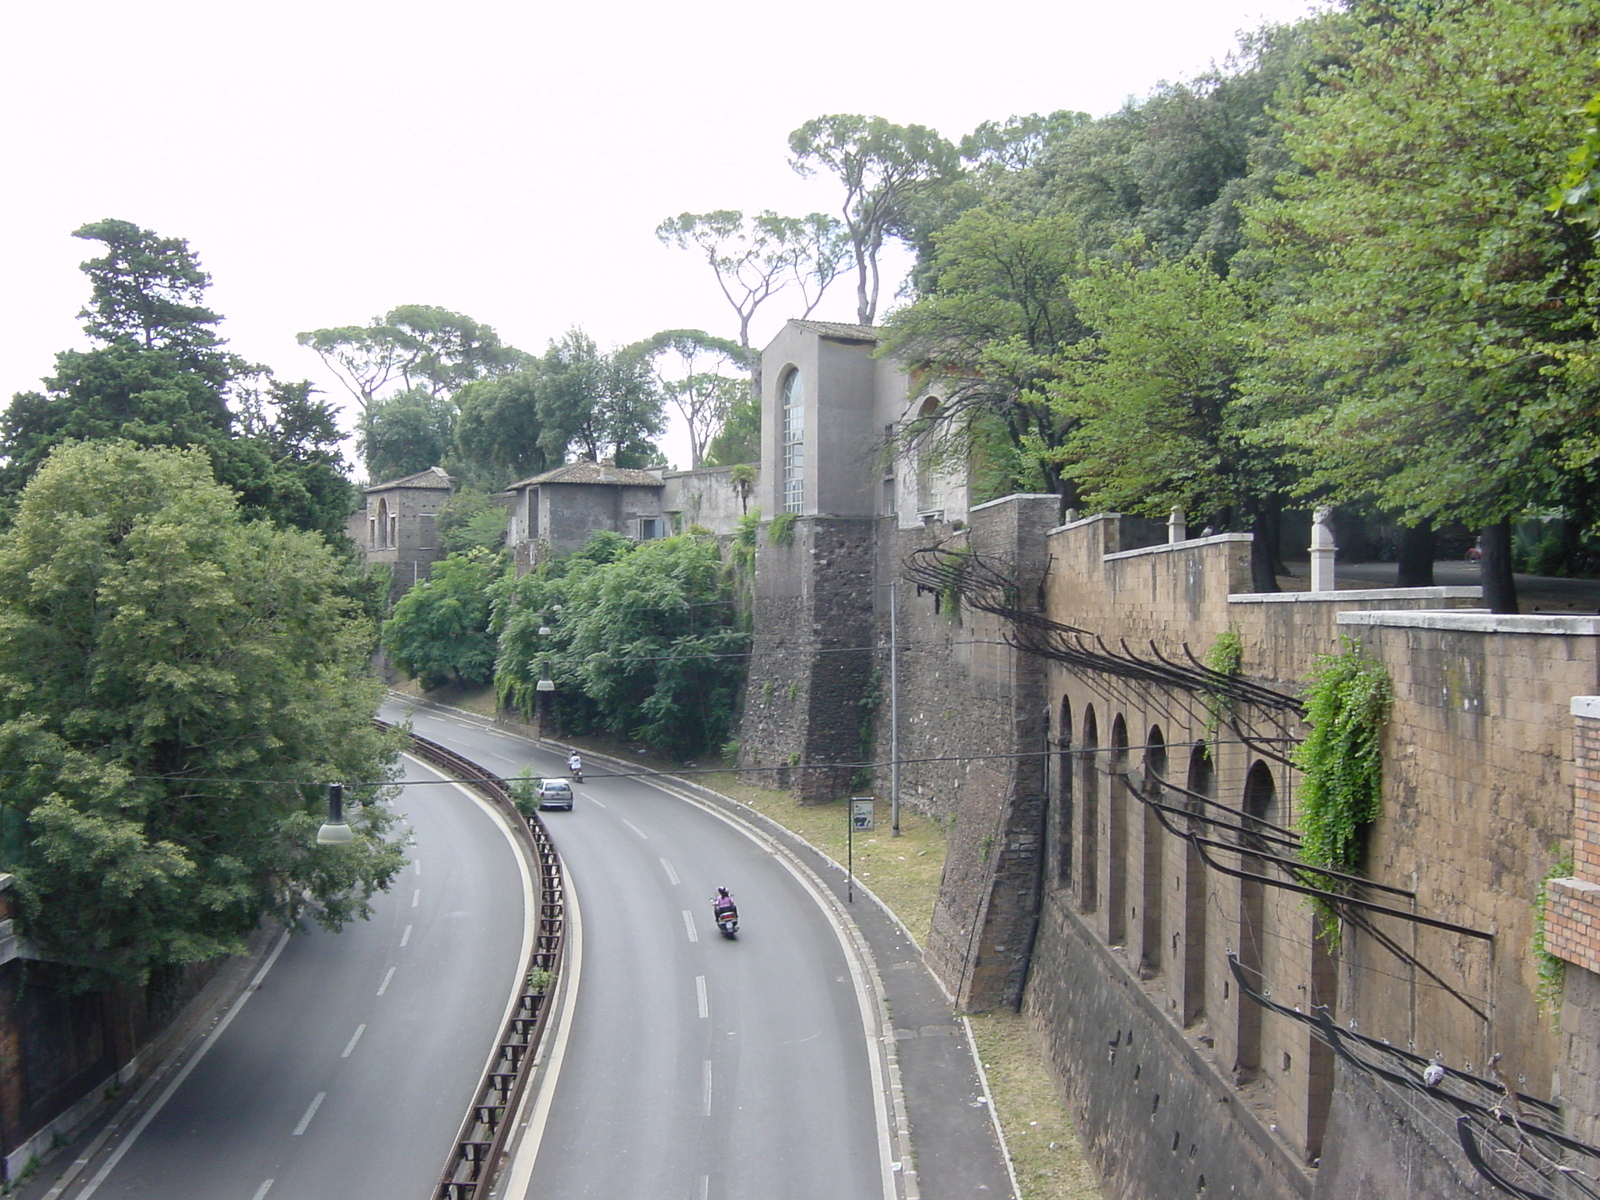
x,y
593,472
834,329
433,477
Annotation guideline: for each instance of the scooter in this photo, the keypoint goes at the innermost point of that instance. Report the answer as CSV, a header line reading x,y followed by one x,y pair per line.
x,y
575,768
726,916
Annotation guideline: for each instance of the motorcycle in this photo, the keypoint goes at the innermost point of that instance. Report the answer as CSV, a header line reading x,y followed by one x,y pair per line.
x,y
725,914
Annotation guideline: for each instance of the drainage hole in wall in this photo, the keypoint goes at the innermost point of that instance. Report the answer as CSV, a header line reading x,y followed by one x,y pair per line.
x,y
1200,1188
1155,1104
1177,1137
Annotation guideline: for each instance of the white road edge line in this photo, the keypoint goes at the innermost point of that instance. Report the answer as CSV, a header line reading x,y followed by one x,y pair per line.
x,y
354,1038
384,986
529,903
688,924
700,996
519,1172
672,876
856,954
310,1112
177,1081
263,1190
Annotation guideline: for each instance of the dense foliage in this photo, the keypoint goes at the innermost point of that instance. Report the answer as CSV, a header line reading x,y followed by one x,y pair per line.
x,y
644,640
158,374
439,631
177,686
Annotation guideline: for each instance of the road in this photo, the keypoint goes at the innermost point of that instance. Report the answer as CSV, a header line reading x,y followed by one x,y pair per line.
x,y
348,1071
697,1068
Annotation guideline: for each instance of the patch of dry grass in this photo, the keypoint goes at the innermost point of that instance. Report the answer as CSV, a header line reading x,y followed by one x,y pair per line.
x,y
480,700
1045,1152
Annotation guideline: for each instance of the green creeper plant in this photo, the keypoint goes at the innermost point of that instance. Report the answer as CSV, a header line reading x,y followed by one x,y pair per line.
x,y
781,531
1552,970
1226,657
1348,702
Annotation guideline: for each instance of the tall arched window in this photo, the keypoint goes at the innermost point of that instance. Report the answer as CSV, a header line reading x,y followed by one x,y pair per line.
x,y
1063,775
1260,806
792,448
1089,809
1202,783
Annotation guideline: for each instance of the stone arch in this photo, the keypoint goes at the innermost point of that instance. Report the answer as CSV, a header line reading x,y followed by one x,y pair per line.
x,y
1201,782
1064,798
1117,836
1154,845
1089,814
1260,805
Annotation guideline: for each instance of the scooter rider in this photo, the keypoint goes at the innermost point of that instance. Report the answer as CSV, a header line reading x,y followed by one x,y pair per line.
x,y
575,766
722,903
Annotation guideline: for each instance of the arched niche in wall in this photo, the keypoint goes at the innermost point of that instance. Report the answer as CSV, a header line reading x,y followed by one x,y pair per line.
x,y
1062,771
1154,845
1117,836
1259,806
1201,782
1089,814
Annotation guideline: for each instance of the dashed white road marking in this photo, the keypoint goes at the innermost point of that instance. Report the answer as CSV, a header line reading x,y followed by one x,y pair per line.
x,y
706,1106
636,829
416,894
310,1112
384,986
406,936
354,1038
672,876
688,923
262,1190
700,996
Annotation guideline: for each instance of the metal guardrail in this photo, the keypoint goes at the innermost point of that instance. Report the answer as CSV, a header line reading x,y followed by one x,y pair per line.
x,y
470,1172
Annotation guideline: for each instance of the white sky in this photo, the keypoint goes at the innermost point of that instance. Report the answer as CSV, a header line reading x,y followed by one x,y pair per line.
x,y
329,159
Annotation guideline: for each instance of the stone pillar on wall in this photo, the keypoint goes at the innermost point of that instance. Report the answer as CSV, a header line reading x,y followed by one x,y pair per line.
x,y
1322,551
1572,931
812,658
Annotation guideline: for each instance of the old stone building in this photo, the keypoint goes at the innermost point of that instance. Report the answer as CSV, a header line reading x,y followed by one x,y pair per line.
x,y
398,525
1123,852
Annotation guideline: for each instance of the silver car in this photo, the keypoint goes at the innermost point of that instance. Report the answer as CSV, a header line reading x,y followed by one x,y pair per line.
x,y
555,793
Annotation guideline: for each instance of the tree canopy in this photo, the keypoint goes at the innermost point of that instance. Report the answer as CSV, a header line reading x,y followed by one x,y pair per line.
x,y
177,686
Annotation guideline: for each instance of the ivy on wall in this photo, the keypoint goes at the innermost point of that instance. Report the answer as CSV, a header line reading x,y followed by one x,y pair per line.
x,y
1552,970
1226,657
781,531
952,566
1348,702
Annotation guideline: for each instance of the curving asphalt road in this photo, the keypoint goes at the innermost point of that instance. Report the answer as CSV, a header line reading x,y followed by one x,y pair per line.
x,y
347,1071
696,1068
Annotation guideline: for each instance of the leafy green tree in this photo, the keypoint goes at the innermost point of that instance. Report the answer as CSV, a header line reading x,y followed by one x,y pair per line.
x,y
159,375
997,319
1433,347
600,404
415,346
1155,402
756,257
498,430
471,520
439,630
177,687
404,434
739,439
649,634
885,170
692,384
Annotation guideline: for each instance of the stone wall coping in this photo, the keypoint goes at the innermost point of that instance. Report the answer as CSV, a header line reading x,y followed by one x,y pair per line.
x,y
1582,706
1358,595
1189,544
1012,498
1478,621
1089,520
